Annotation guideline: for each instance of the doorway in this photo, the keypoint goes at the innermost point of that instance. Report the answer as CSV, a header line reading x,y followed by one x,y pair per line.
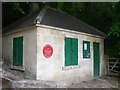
x,y
96,57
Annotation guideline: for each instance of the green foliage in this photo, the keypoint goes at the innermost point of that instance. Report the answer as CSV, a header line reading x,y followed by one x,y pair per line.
x,y
115,27
13,11
60,5
115,30
15,7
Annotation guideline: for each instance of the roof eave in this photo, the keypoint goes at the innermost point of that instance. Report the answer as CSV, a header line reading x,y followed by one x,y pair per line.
x,y
67,30
18,30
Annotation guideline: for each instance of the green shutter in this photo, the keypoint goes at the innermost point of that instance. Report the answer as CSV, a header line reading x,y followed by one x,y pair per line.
x,y
18,51
86,49
71,51
67,51
74,51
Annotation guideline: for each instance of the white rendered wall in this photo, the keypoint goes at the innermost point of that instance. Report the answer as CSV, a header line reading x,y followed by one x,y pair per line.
x,y
54,68
29,49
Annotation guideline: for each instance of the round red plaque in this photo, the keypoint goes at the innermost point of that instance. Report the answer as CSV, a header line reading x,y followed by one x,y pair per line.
x,y
47,51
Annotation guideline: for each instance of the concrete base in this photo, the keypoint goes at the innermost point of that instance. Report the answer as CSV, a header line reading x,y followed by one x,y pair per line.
x,y
32,84
76,80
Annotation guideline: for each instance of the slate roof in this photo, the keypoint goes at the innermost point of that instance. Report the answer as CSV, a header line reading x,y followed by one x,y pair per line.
x,y
52,17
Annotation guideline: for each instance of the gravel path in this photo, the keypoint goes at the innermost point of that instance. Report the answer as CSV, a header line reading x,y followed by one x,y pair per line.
x,y
101,82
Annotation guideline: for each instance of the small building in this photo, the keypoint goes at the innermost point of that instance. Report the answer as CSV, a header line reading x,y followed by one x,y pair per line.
x,y
49,44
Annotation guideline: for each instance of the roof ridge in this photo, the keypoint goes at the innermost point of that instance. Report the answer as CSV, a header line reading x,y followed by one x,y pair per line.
x,y
41,14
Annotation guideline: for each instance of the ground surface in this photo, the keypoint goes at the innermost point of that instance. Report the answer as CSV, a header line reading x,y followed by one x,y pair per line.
x,y
102,82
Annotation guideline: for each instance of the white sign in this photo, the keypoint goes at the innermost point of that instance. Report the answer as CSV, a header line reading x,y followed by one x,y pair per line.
x,y
85,46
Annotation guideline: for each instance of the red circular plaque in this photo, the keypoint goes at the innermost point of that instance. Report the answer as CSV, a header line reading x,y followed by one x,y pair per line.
x,y
47,51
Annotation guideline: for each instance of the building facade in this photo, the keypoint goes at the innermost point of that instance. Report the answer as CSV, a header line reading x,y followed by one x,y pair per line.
x,y
47,46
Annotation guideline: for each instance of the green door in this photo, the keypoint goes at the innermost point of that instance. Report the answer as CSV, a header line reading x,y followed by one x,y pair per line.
x,y
71,51
74,52
96,59
68,57
18,51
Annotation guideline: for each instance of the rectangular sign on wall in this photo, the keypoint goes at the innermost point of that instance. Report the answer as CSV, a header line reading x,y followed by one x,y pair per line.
x,y
86,49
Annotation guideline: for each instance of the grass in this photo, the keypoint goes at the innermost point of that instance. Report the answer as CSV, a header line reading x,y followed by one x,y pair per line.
x,y
111,85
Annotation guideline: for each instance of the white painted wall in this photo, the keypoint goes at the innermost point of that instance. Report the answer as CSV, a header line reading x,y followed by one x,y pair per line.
x,y
53,68
29,48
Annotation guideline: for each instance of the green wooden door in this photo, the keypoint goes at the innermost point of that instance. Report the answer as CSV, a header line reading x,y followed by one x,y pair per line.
x,y
68,47
18,51
71,51
74,52
96,59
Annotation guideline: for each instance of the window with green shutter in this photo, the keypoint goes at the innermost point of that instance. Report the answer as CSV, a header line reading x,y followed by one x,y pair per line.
x,y
86,49
71,51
